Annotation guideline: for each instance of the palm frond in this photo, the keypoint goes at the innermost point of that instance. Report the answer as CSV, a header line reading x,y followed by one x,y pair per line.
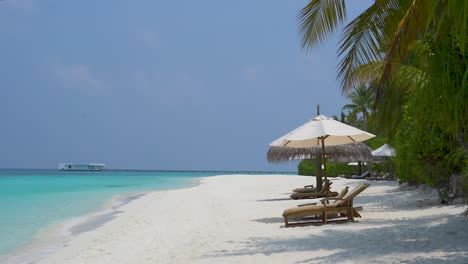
x,y
414,22
458,22
349,107
448,73
390,111
319,19
370,72
363,41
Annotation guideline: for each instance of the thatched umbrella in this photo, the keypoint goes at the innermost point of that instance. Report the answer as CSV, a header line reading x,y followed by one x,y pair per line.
x,y
322,131
351,152
339,153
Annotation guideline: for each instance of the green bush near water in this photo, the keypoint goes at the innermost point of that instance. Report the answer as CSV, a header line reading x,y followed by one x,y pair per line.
x,y
308,168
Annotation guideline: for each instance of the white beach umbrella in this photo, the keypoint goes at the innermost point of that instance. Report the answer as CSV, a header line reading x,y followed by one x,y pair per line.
x,y
355,163
321,131
384,151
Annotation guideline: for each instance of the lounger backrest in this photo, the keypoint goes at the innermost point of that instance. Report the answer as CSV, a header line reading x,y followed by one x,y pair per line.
x,y
350,195
342,193
326,186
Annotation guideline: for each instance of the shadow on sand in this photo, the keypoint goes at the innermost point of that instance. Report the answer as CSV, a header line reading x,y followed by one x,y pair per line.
x,y
270,220
274,200
426,239
387,242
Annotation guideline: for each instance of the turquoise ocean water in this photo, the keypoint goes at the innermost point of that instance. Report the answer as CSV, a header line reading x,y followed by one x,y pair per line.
x,y
32,201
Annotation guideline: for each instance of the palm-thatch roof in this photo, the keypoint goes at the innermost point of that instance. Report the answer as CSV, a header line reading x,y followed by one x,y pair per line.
x,y
340,153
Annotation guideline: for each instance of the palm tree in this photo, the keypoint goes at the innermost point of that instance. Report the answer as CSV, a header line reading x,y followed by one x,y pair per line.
x,y
383,32
342,118
416,51
360,106
378,45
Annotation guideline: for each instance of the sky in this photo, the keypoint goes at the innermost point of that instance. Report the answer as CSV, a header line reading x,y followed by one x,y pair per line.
x,y
164,85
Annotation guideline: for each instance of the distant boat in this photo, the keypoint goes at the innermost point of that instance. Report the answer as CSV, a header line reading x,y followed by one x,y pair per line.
x,y
81,167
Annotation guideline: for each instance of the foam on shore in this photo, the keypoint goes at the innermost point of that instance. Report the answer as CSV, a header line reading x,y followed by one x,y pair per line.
x,y
57,236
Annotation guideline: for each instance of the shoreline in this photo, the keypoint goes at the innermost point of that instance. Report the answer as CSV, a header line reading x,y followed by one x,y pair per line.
x,y
56,236
237,219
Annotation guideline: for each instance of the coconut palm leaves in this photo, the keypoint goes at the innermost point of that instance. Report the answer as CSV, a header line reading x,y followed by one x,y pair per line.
x,y
383,32
319,19
415,53
363,41
388,45
360,107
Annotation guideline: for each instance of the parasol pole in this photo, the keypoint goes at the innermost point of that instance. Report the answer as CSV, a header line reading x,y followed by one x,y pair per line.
x,y
324,161
318,163
323,157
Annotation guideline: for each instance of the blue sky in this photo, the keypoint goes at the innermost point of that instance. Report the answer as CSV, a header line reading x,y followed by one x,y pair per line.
x,y
187,85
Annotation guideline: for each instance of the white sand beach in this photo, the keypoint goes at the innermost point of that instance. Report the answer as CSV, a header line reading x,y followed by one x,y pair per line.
x,y
237,219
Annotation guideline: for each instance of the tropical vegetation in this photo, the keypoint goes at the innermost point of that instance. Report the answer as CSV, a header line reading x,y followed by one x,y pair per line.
x,y
410,58
360,108
309,167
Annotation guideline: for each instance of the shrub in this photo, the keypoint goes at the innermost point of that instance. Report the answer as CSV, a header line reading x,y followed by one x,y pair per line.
x,y
307,167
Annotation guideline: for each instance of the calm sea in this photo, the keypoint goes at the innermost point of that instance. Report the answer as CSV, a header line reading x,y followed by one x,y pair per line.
x,y
33,201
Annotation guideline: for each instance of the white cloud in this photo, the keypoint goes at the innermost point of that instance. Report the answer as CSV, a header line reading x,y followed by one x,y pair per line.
x,y
76,76
149,37
167,88
251,72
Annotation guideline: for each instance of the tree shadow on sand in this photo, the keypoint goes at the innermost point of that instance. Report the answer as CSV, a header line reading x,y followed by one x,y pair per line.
x,y
274,200
396,201
435,239
270,220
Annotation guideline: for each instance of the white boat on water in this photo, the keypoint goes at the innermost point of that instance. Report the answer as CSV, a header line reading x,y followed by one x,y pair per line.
x,y
81,167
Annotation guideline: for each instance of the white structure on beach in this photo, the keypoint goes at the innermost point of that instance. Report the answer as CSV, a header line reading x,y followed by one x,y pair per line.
x,y
384,151
81,167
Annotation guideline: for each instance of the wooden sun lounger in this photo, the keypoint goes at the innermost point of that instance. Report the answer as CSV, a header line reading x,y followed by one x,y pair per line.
x,y
307,188
325,192
310,188
340,210
313,195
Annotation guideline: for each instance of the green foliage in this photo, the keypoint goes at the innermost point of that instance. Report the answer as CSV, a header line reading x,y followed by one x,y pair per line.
x,y
431,137
428,140
308,167
376,142
426,157
415,53
465,184
319,19
383,167
360,107
337,168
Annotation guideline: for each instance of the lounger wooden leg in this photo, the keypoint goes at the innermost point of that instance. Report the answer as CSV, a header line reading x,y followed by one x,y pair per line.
x,y
350,211
286,221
